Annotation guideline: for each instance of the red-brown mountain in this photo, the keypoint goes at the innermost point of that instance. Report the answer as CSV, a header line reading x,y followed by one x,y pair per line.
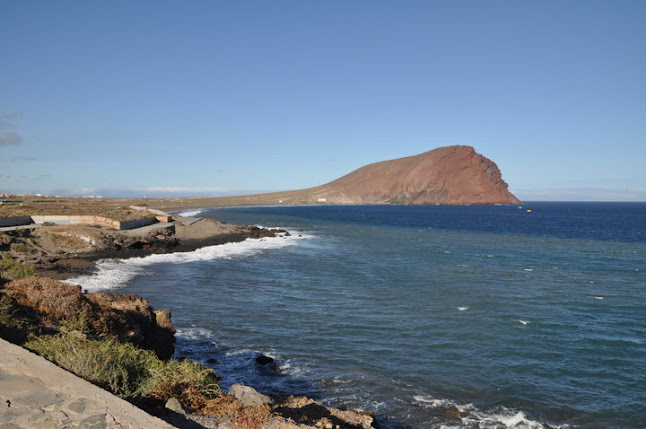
x,y
446,175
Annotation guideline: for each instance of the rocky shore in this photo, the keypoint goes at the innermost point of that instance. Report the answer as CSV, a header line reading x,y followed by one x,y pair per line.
x,y
44,305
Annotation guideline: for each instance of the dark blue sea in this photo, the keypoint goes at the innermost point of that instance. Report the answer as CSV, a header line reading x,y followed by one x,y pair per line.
x,y
431,316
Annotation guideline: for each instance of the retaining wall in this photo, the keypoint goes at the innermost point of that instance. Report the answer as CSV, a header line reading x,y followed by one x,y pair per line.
x,y
161,216
92,220
15,221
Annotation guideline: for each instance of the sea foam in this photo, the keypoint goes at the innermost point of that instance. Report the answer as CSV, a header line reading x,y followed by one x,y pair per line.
x,y
471,416
190,213
117,273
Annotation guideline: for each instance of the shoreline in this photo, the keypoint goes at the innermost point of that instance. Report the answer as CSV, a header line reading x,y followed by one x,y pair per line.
x,y
57,264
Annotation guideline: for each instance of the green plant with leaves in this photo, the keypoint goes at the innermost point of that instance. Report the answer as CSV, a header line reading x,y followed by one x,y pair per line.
x,y
19,248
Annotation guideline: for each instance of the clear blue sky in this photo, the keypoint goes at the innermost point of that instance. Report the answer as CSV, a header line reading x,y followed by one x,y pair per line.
x,y
216,97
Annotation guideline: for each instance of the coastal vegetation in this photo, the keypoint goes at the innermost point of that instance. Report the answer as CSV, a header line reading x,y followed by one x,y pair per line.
x,y
128,371
14,268
30,206
59,323
123,368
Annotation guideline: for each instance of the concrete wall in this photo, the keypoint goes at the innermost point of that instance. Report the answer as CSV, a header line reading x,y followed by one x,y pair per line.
x,y
92,220
138,223
161,216
15,221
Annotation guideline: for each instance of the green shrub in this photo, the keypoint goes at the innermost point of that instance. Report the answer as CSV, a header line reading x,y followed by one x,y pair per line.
x,y
19,247
128,371
12,327
14,268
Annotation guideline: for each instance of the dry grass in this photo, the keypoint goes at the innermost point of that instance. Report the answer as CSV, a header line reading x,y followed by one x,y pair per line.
x,y
117,209
127,371
14,268
243,417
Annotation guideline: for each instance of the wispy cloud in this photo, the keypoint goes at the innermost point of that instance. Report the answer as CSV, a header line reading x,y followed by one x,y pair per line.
x,y
183,189
151,192
23,158
7,139
7,121
581,194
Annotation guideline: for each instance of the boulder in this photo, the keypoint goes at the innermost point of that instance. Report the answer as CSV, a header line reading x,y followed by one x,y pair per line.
x,y
267,362
248,396
173,404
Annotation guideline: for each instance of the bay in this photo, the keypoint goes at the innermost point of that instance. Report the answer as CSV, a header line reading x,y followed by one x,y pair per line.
x,y
432,316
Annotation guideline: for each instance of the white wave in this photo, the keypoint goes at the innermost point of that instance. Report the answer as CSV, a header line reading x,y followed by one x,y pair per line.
x,y
471,416
503,418
524,322
194,333
117,273
463,308
190,213
598,297
429,402
529,270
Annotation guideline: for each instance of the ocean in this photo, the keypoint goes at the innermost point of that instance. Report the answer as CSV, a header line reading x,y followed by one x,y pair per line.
x,y
431,316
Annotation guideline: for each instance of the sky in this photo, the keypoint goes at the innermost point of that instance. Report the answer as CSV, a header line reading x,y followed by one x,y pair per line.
x,y
169,98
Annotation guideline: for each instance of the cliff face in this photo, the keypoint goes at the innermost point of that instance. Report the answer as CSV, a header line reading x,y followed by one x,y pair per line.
x,y
446,175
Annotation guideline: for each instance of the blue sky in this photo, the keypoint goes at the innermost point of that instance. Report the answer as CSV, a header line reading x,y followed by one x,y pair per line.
x,y
214,97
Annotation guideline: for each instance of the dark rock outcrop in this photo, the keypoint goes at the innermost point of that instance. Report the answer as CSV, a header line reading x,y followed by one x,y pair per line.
x,y
51,305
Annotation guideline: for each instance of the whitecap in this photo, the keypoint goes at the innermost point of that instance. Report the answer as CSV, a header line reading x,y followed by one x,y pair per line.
x,y
524,322
598,297
463,308
194,333
503,418
430,402
117,273
529,270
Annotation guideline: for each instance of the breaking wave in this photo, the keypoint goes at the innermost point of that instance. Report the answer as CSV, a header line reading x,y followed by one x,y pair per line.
x,y
117,273
471,417
190,213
